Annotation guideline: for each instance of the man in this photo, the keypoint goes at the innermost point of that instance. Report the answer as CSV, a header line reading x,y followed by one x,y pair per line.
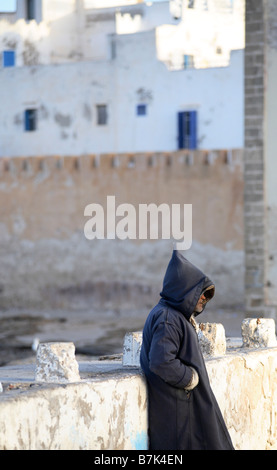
x,y
183,411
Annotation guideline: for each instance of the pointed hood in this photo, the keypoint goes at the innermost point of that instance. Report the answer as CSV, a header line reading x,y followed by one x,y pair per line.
x,y
183,284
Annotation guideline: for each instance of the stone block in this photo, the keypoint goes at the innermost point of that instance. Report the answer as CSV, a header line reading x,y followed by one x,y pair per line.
x,y
131,349
258,333
212,339
56,362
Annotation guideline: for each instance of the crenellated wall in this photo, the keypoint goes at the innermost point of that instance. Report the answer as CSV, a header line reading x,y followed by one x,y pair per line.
x,y
45,255
41,190
46,259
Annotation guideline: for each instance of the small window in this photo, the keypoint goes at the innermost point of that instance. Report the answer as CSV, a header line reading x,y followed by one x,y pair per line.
x,y
190,3
30,10
187,130
30,120
102,114
8,58
141,110
188,61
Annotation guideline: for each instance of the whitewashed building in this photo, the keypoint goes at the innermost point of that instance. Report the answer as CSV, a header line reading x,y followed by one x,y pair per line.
x,y
127,77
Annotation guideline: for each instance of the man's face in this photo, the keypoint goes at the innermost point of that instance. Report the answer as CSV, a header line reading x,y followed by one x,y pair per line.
x,y
200,304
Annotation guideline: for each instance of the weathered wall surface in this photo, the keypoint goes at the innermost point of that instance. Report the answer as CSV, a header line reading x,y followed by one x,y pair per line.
x,y
245,386
110,412
270,166
260,156
254,156
104,414
46,259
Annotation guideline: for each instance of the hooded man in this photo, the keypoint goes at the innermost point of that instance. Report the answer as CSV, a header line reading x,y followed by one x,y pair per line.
x,y
183,411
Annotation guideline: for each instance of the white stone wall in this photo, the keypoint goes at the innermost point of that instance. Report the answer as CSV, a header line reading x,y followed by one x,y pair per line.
x,y
97,65
110,411
66,97
77,30
245,387
100,414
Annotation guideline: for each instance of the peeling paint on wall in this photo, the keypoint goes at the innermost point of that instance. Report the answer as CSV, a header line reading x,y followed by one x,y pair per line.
x,y
87,113
140,441
30,53
63,120
18,119
43,112
144,95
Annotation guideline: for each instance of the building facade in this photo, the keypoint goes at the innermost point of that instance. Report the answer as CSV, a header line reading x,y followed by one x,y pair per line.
x,y
77,78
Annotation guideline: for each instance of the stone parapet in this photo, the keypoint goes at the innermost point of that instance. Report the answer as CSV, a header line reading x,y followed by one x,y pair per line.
x,y
56,363
107,408
212,339
258,333
131,349
104,406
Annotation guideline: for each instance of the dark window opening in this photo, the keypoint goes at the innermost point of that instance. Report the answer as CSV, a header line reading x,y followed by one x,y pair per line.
x,y
187,130
30,120
190,3
102,114
141,110
30,9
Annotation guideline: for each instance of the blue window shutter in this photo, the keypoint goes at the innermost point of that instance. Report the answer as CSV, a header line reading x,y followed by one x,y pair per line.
x,y
30,118
193,130
187,138
180,130
141,109
8,58
187,130
27,120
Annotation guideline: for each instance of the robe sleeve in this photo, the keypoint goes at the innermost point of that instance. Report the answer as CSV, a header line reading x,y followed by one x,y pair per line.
x,y
163,360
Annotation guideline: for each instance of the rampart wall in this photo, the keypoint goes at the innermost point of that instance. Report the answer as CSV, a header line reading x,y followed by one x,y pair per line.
x,y
46,259
107,409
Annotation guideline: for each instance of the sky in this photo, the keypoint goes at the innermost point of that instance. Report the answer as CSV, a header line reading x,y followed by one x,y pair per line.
x,y
7,5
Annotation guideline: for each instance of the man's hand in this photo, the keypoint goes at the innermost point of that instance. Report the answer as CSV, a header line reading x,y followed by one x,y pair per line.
x,y
193,381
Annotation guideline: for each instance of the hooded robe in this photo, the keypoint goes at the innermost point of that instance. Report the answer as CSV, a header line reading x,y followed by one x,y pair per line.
x,y
179,419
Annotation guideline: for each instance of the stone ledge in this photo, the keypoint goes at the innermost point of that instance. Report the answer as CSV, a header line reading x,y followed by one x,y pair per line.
x,y
107,408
